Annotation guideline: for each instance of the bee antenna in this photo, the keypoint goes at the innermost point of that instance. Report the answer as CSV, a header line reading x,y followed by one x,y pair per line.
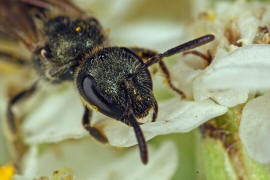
x,y
128,118
140,138
178,49
181,48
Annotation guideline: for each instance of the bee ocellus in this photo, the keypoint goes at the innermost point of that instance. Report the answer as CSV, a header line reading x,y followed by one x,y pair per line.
x,y
68,45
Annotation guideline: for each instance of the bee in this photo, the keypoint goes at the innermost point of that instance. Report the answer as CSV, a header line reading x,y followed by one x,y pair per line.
x,y
68,45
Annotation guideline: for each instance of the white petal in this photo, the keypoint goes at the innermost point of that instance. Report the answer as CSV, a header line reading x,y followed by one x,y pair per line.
x,y
265,18
184,76
255,128
228,98
199,6
247,67
228,79
175,116
57,117
89,160
148,34
30,164
248,27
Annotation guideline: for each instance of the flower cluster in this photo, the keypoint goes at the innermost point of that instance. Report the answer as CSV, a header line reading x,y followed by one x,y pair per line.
x,y
240,69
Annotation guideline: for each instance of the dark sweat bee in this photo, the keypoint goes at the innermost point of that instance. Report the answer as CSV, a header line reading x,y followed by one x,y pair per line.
x,y
68,45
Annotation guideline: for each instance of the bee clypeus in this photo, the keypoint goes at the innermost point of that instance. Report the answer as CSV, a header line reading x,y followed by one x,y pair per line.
x,y
68,45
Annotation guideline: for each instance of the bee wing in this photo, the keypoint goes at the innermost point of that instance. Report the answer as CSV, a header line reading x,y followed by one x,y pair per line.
x,y
62,5
16,20
17,17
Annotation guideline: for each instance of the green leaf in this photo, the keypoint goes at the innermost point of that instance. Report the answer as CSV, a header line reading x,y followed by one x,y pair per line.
x,y
216,161
255,170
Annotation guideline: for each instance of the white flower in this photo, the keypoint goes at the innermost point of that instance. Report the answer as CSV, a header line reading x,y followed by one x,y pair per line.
x,y
255,128
245,68
240,68
90,160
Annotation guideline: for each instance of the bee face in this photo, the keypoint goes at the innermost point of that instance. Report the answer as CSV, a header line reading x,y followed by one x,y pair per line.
x,y
100,81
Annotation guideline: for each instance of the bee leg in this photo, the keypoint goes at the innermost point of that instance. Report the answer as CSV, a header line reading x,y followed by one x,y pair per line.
x,y
13,125
15,100
146,54
207,57
155,113
129,119
96,133
13,59
167,75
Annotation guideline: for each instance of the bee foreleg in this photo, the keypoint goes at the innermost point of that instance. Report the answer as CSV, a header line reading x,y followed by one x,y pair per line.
x,y
13,124
167,75
93,131
15,100
146,54
155,113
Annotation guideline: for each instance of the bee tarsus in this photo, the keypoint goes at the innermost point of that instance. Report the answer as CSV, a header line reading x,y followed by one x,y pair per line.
x,y
94,132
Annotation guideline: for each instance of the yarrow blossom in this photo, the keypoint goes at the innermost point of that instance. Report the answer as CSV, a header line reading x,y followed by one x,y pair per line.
x,y
240,70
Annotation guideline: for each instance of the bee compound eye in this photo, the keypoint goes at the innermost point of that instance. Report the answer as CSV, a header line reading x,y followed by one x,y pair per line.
x,y
96,98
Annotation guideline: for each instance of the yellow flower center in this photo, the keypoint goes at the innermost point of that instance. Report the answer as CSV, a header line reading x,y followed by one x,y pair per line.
x,y
6,172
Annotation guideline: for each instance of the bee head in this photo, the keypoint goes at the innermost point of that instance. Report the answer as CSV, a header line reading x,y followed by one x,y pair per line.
x,y
100,80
